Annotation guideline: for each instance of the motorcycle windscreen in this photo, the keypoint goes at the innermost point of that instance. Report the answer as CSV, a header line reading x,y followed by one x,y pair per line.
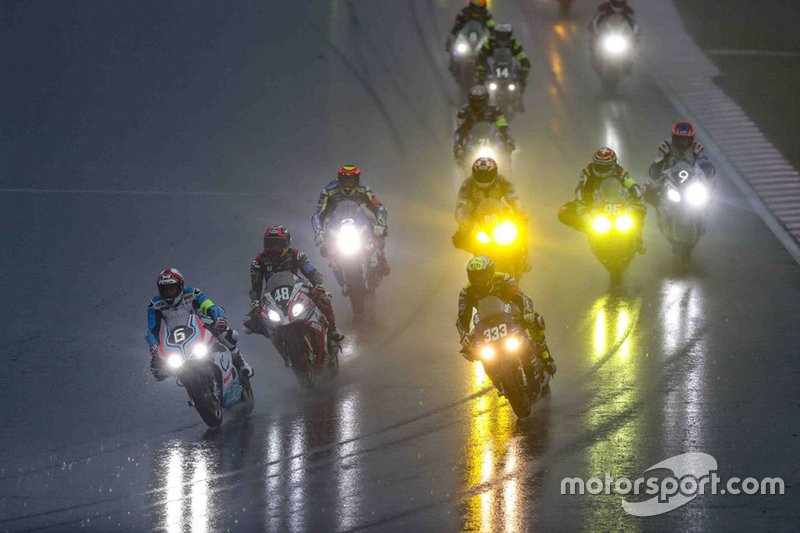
x,y
280,287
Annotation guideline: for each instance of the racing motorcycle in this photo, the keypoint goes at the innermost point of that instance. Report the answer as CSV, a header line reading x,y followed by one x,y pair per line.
x,y
500,341
205,368
483,141
298,329
503,81
498,234
613,234
683,200
464,50
613,49
354,253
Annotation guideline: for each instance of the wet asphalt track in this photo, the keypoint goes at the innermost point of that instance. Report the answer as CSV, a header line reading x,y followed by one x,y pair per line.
x,y
141,135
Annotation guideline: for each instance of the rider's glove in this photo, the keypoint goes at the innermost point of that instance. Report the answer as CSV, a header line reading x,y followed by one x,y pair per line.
x,y
255,306
154,351
529,318
221,324
379,230
663,148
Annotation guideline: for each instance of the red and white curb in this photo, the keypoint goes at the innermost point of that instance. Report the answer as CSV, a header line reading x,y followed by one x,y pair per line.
x,y
743,152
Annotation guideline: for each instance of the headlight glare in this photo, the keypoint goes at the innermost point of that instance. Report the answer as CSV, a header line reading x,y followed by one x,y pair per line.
x,y
174,360
349,240
273,315
674,195
200,350
487,353
512,87
512,344
493,86
601,224
297,309
462,48
623,223
483,237
505,233
616,44
697,194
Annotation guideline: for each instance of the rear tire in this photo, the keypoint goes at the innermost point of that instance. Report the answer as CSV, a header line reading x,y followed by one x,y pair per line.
x,y
202,386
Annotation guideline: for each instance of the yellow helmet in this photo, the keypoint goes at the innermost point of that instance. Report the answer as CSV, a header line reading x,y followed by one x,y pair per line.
x,y
480,270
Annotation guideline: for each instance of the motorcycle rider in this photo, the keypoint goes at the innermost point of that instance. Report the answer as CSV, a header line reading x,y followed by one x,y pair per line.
x,y
277,256
614,7
503,38
475,10
173,304
483,282
682,148
479,110
484,183
347,186
604,165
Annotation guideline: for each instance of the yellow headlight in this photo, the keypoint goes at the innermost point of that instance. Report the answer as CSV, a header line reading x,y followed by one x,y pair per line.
x,y
505,233
512,344
483,237
624,223
487,353
601,224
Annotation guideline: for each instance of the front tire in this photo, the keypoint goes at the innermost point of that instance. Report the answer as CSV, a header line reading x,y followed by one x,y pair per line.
x,y
299,353
202,384
514,393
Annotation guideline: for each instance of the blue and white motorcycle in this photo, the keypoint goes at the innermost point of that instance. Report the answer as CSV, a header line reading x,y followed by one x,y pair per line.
x,y
205,368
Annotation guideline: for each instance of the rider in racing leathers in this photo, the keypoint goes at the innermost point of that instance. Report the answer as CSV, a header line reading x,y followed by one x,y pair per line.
x,y
485,183
503,38
614,7
483,282
347,186
173,304
682,148
279,257
604,165
479,110
476,10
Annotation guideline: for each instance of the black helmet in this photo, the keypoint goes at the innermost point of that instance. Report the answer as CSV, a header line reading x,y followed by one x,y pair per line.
x,y
277,240
478,97
170,285
480,271
348,177
484,171
503,32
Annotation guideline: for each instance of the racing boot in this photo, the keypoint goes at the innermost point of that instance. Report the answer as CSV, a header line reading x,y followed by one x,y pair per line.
x,y
546,358
334,334
241,365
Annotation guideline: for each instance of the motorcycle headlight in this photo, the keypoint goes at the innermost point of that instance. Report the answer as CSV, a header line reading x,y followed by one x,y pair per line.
x,y
697,194
273,315
348,240
674,195
486,151
462,48
200,350
297,309
493,86
616,44
487,353
512,344
601,224
483,237
174,360
512,87
505,233
623,223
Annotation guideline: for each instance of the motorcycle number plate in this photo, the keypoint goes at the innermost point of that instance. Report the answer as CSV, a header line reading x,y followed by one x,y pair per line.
x,y
495,333
180,335
502,72
282,294
613,209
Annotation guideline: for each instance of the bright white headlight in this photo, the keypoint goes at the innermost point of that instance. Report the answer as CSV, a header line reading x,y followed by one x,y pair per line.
x,y
697,194
493,86
297,309
486,151
348,240
273,315
462,48
512,87
616,44
674,195
200,350
175,360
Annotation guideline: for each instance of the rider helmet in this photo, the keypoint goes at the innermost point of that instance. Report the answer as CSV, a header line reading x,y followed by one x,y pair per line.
x,y
349,176
503,32
484,171
480,271
170,285
277,240
618,5
478,98
604,161
682,135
